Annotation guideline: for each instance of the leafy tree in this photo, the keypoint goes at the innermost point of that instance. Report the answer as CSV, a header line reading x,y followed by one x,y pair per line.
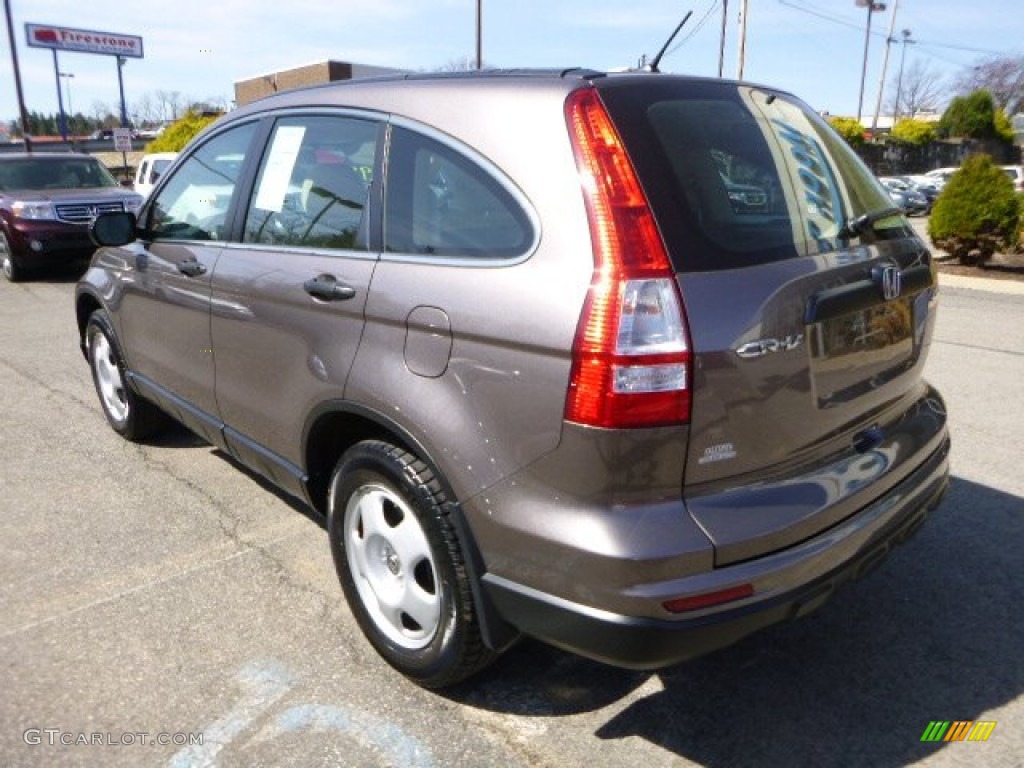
x,y
977,212
1004,126
850,129
972,116
179,133
916,132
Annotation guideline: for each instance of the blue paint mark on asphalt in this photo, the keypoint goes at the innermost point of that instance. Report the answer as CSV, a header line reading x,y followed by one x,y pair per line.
x,y
395,745
263,685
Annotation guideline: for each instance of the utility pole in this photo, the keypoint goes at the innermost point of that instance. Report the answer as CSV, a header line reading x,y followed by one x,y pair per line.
x,y
899,81
17,79
743,38
889,40
479,34
721,44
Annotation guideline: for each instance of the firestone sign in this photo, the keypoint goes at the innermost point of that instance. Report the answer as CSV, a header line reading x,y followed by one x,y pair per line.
x,y
83,40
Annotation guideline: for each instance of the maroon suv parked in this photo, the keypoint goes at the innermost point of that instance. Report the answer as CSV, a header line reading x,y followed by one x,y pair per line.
x,y
46,204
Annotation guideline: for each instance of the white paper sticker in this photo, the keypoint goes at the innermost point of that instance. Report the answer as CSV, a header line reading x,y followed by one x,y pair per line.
x,y
278,171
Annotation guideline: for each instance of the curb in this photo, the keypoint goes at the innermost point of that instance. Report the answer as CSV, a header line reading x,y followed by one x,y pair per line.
x,y
1010,287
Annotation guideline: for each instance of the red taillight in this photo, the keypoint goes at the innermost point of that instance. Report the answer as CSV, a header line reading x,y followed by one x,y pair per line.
x,y
631,356
696,602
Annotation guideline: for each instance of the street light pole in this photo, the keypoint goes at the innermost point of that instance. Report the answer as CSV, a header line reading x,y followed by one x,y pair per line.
x,y
60,99
872,7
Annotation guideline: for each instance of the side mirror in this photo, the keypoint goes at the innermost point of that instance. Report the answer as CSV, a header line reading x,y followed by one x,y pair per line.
x,y
113,228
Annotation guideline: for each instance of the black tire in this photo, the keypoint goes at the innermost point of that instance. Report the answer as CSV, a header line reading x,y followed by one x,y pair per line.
x,y
131,416
392,542
13,269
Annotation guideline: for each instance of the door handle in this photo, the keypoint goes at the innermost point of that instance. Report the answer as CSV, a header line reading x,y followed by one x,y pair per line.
x,y
191,267
327,288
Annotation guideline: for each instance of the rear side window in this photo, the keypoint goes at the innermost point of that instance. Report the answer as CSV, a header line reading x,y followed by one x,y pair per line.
x,y
737,176
313,184
440,202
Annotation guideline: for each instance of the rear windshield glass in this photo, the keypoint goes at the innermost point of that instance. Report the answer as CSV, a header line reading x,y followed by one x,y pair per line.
x,y
739,176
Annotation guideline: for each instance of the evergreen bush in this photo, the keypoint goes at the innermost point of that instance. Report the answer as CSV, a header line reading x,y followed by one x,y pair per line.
x,y
977,212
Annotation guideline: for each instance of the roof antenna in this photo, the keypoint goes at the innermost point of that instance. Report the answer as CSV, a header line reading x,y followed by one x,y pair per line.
x,y
653,66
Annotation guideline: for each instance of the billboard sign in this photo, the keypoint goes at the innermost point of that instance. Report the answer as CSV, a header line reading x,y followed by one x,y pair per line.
x,y
83,41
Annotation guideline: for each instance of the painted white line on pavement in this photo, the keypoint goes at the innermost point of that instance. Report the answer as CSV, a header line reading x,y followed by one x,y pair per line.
x,y
1013,287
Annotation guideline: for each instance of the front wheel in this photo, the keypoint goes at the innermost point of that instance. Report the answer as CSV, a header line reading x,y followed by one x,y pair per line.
x,y
131,416
401,565
12,267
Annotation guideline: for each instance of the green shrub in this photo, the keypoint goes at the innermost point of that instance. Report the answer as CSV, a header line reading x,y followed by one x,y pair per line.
x,y
915,132
977,213
850,129
179,133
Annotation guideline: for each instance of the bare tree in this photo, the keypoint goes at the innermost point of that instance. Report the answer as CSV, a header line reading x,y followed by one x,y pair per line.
x,y
920,90
216,103
1002,76
143,111
461,64
169,104
102,115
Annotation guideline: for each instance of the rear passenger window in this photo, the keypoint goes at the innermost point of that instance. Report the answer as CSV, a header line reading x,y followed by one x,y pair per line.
x,y
313,184
439,202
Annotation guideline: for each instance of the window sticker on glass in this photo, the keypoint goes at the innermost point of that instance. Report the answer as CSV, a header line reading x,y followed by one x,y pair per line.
x,y
278,172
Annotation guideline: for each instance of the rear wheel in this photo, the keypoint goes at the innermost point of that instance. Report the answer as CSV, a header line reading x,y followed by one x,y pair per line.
x,y
131,416
12,267
401,565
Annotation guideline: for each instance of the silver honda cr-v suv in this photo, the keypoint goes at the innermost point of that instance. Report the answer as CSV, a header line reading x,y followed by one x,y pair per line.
x,y
630,363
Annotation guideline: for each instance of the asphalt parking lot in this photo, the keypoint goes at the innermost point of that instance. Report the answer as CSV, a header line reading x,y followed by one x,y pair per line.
x,y
156,596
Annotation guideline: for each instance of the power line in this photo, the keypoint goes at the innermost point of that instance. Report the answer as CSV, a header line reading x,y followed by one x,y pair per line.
x,y
924,47
843,22
700,24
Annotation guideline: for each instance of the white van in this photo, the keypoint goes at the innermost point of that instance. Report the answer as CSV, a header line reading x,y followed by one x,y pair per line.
x,y
151,169
1016,174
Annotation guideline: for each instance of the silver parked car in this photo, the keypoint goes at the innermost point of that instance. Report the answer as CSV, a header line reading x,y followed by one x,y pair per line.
x,y
904,194
629,363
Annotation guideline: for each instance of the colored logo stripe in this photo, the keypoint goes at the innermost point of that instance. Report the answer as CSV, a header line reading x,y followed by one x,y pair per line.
x,y
958,730
982,730
935,731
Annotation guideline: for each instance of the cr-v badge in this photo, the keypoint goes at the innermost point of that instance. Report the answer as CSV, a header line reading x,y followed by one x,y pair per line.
x,y
764,346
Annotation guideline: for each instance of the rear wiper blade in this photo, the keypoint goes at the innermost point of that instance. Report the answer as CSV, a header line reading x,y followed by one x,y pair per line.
x,y
853,227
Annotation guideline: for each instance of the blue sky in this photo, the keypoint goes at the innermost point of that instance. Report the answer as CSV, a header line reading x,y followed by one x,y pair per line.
x,y
199,48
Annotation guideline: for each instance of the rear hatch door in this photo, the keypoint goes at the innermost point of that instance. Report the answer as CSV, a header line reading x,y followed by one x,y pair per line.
x,y
809,306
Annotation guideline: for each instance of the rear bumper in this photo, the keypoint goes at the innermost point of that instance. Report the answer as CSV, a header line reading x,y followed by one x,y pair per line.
x,y
787,584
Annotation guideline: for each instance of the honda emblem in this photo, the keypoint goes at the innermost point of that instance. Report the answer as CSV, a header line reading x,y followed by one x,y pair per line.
x,y
892,282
